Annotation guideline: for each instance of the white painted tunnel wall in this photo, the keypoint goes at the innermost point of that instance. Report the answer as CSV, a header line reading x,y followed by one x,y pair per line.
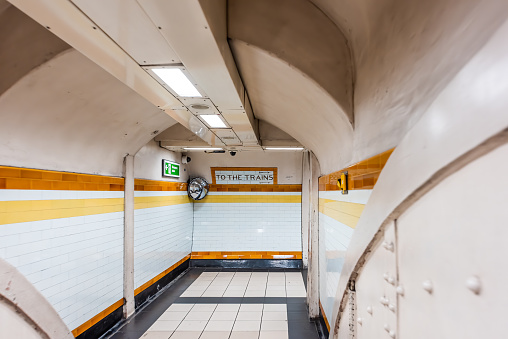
x,y
446,190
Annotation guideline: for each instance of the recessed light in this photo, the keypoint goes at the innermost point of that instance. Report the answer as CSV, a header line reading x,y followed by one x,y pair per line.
x,y
202,148
214,121
176,79
284,148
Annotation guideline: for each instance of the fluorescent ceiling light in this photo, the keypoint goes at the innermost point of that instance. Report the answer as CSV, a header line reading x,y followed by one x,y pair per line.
x,y
176,79
214,121
284,148
202,148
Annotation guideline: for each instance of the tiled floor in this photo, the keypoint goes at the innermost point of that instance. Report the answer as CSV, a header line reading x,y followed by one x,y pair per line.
x,y
226,304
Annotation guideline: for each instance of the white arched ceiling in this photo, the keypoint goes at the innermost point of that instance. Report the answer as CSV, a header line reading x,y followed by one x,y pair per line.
x,y
288,99
402,54
405,52
299,33
69,114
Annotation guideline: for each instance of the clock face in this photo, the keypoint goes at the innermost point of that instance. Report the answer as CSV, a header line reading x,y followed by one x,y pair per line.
x,y
198,188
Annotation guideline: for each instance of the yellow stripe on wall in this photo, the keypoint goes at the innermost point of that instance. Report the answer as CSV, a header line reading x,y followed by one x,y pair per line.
x,y
150,202
347,213
35,210
271,199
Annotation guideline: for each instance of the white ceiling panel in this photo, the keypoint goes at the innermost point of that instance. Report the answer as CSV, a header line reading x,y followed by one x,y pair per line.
x,y
227,136
129,26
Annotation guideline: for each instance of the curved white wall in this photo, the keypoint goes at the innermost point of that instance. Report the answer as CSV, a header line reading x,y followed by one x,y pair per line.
x,y
438,170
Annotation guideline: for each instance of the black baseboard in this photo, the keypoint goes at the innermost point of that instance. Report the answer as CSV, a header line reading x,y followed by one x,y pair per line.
x,y
321,326
153,289
103,326
248,263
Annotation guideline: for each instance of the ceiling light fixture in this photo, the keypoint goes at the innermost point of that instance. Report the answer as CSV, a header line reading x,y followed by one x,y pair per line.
x,y
214,121
284,148
202,148
176,79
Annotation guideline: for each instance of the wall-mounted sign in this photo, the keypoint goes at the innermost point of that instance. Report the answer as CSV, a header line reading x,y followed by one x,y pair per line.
x,y
170,169
244,176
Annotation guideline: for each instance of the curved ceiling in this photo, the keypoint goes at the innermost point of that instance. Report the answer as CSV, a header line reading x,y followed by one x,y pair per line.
x,y
300,34
68,114
405,52
286,98
346,79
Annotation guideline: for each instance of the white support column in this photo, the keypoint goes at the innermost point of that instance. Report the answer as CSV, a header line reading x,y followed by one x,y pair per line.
x,y
128,238
306,177
313,272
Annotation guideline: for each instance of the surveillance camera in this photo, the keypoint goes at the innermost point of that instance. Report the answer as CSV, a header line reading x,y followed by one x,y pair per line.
x,y
185,159
233,153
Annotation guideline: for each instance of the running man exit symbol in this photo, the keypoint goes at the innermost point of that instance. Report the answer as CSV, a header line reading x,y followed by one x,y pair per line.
x,y
170,169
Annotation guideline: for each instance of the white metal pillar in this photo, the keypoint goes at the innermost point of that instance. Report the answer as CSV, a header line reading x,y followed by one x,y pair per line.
x,y
306,177
128,238
313,271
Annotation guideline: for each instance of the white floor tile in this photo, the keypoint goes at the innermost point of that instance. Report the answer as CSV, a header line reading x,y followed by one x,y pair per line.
x,y
275,316
251,307
273,335
233,294
175,316
164,325
215,335
213,294
295,288
191,326
156,335
254,294
179,308
275,308
192,293
227,308
219,325
224,316
274,325
198,315
244,335
249,315
217,287
276,288
236,288
204,307
246,325
185,335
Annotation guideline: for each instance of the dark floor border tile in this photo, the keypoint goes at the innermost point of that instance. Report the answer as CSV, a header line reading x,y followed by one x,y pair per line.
x,y
248,263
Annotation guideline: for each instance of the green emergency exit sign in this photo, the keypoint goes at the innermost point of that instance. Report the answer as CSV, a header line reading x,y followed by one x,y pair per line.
x,y
170,169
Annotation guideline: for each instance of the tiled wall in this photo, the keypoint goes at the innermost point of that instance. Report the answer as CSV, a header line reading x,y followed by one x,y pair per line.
x,y
237,221
163,222
64,232
338,216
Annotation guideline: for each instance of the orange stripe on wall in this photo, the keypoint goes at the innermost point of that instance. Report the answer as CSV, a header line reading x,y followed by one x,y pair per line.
x,y
86,325
324,317
247,255
362,175
156,185
35,179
